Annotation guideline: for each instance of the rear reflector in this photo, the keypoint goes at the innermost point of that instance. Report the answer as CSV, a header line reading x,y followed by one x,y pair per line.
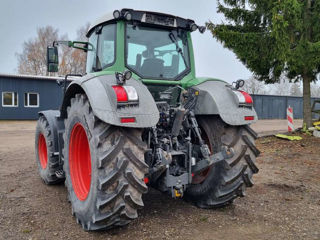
x,y
121,93
146,180
249,118
127,120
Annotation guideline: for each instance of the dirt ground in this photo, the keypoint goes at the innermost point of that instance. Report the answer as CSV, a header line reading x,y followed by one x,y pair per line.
x,y
284,203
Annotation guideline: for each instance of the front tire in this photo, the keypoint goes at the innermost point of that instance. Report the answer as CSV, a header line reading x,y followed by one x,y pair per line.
x,y
104,168
222,183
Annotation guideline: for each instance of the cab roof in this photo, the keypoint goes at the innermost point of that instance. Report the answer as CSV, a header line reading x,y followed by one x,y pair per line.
x,y
146,17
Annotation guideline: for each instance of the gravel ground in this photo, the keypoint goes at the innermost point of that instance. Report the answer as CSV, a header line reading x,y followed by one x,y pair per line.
x,y
284,203
274,126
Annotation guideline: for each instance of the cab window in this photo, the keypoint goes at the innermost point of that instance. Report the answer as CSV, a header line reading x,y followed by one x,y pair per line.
x,y
102,44
157,53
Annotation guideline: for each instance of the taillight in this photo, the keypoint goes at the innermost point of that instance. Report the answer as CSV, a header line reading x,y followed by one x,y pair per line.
x,y
125,94
121,93
243,97
248,98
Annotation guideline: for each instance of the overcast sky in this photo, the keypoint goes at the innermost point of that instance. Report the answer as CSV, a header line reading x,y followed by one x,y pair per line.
x,y
19,20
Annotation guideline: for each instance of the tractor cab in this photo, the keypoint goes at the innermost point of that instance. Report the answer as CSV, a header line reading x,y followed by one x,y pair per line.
x,y
155,47
152,45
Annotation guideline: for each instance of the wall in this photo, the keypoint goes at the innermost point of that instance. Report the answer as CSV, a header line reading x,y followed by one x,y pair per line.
x,y
50,96
275,107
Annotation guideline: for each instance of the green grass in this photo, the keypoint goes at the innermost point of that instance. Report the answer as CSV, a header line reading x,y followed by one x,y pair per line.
x,y
204,218
26,230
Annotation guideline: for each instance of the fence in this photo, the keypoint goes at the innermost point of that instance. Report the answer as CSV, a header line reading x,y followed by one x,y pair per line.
x,y
275,107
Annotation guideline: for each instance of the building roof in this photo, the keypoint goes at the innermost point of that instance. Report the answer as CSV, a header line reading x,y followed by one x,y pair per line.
x,y
5,75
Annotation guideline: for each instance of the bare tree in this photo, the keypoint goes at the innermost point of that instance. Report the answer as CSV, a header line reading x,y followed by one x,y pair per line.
x,y
74,60
82,32
32,59
315,90
295,90
282,88
253,86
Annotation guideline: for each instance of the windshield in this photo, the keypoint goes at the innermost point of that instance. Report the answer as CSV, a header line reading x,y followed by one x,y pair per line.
x,y
157,53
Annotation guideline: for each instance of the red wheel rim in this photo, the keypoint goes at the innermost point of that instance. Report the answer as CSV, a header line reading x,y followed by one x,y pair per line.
x,y
42,151
80,162
200,177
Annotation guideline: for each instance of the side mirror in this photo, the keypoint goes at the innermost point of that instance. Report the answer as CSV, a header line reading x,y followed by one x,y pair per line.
x,y
52,59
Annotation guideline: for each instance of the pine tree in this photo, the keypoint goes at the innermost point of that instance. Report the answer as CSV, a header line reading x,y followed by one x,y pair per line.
x,y
274,38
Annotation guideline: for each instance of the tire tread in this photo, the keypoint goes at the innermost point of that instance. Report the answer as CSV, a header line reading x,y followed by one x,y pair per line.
x,y
118,152
229,178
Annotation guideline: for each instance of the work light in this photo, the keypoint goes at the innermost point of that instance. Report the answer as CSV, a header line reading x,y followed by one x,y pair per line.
x,y
116,14
193,27
128,16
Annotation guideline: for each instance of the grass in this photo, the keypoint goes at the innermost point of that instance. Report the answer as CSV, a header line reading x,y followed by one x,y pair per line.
x,y
204,218
26,230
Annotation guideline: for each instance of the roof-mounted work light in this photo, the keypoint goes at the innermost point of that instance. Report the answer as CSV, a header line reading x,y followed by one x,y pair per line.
x,y
128,16
193,27
116,14
202,29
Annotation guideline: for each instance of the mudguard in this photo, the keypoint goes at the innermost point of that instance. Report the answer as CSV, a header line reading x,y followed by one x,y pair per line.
x,y
216,97
103,101
56,126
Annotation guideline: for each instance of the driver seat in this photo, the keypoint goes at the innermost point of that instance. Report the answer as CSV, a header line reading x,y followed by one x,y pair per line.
x,y
152,66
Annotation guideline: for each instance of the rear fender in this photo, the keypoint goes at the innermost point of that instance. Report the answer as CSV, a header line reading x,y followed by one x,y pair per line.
x,y
103,101
56,126
217,98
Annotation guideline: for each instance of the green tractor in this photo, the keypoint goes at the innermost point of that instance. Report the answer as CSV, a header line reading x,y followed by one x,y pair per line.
x,y
140,118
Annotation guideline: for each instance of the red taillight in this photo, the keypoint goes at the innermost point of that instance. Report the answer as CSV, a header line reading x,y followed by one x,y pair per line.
x,y
249,118
127,120
247,97
126,94
121,93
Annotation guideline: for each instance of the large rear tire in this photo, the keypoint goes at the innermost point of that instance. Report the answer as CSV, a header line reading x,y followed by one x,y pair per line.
x,y
47,161
104,167
222,183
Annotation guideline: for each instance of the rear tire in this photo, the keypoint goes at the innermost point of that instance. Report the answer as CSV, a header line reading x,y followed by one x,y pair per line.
x,y
112,195
47,162
228,179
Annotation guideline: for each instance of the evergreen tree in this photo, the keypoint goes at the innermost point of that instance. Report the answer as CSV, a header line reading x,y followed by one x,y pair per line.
x,y
274,37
